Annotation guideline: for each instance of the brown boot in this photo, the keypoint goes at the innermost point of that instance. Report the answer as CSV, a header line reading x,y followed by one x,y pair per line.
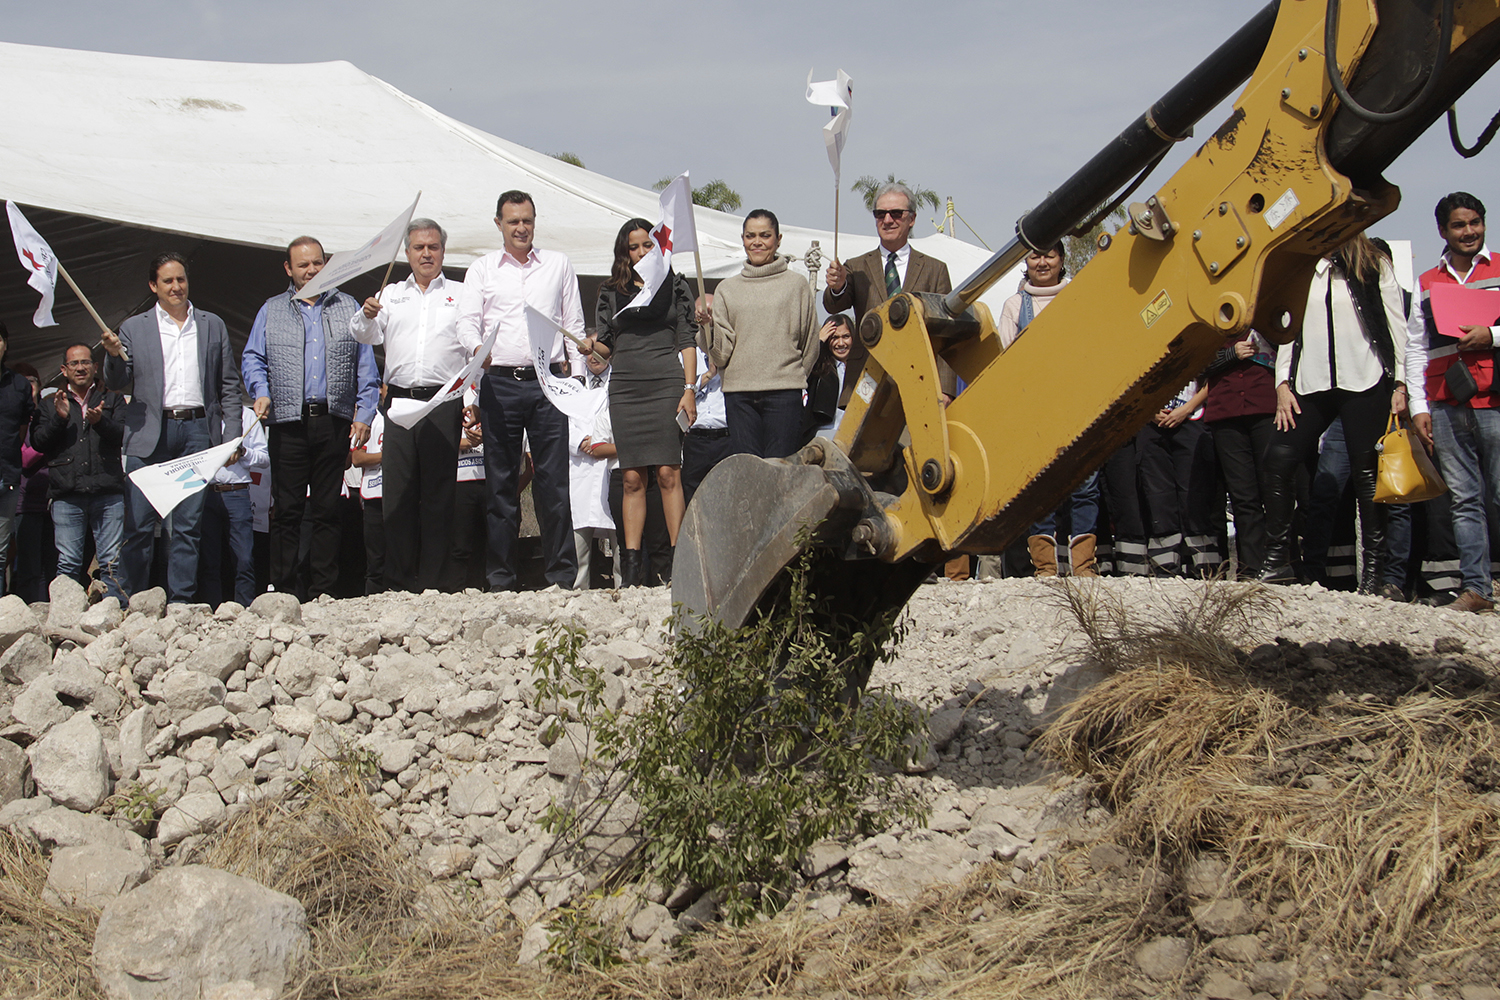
x,y
1043,555
1081,556
1470,601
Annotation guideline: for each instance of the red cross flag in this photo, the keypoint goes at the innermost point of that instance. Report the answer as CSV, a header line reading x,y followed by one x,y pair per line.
x,y
38,260
675,234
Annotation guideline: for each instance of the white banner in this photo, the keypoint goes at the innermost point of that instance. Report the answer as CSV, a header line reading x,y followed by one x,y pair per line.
x,y
676,233
168,483
407,412
352,263
38,260
567,394
838,97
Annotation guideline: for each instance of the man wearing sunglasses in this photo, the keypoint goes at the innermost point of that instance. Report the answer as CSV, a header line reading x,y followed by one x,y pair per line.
x,y
869,279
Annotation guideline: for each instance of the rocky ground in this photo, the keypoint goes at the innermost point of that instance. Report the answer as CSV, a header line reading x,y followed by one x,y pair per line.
x,y
128,735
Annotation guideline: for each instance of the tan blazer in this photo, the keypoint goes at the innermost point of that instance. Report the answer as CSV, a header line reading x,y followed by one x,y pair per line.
x,y
865,290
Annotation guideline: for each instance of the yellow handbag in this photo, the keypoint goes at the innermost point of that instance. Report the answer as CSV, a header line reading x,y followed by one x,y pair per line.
x,y
1405,471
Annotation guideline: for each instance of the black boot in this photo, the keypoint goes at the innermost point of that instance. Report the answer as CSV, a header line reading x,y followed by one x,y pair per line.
x,y
1372,521
632,567
1280,500
666,571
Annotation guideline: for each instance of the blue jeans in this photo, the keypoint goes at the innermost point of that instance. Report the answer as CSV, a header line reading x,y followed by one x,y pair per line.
x,y
1468,454
178,438
765,423
228,536
1083,509
103,515
10,495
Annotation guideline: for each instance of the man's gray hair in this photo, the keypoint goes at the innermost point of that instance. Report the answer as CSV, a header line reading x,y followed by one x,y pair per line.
x,y
898,188
418,225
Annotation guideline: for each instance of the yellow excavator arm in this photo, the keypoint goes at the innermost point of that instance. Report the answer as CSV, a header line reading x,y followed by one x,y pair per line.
x,y
1227,243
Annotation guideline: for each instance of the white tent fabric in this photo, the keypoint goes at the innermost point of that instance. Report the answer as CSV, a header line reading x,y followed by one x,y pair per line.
x,y
253,155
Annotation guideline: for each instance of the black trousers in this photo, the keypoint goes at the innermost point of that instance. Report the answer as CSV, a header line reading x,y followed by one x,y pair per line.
x,y
466,564
418,467
1240,443
509,408
1184,506
701,451
307,454
376,550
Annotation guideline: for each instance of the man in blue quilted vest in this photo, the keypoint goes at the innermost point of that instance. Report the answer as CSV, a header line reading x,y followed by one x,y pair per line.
x,y
317,388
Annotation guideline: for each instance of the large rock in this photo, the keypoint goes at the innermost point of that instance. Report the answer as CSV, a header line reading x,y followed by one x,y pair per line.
x,y
28,658
13,777
473,712
61,827
16,620
300,669
193,929
221,659
70,766
398,674
277,607
187,691
1163,958
901,880
194,813
102,617
474,794
91,876
136,734
150,603
67,601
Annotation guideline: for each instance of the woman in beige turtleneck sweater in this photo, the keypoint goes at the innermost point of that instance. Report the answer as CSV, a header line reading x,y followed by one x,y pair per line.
x,y
764,338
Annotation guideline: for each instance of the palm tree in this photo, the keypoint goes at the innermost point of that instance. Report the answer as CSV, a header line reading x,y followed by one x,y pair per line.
x,y
868,187
715,194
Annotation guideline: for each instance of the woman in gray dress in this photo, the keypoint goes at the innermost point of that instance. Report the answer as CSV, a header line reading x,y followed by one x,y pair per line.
x,y
651,349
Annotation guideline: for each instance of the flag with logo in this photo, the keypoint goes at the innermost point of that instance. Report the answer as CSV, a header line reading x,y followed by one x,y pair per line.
x,y
38,260
378,252
569,395
408,412
676,233
168,483
838,97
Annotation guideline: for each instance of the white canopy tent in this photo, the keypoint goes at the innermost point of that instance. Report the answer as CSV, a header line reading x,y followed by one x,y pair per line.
x,y
115,158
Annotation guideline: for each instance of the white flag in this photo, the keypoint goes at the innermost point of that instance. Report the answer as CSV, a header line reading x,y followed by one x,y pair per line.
x,y
838,97
38,259
567,394
675,233
407,412
167,484
351,263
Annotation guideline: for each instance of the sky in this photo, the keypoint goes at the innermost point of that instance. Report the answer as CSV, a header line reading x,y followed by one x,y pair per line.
x,y
993,103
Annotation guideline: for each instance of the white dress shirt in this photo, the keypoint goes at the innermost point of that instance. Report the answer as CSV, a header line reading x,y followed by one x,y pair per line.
x,y
419,330
372,479
710,399
1355,364
181,385
1418,351
496,290
902,257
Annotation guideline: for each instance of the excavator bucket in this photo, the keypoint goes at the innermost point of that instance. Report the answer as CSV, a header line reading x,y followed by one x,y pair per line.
x,y
752,518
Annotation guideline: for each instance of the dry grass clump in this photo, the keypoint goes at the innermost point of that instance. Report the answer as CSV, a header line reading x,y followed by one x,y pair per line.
x,y
375,934
1357,815
44,949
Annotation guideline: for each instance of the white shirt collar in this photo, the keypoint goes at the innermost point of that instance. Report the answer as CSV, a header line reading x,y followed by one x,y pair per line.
x,y
1445,263
163,317
902,255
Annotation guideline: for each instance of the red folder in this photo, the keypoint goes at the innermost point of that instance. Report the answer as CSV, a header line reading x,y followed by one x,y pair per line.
x,y
1454,306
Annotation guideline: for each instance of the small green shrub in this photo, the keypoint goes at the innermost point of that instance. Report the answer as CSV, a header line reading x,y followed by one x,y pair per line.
x,y
746,751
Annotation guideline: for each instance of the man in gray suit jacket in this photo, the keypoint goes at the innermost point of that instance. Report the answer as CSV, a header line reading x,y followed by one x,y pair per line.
x,y
185,398
895,266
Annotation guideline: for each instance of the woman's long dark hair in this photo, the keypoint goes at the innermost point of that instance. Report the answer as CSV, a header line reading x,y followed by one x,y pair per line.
x,y
622,276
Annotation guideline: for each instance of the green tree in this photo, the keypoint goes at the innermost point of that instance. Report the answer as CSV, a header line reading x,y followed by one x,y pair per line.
x,y
868,187
572,158
716,194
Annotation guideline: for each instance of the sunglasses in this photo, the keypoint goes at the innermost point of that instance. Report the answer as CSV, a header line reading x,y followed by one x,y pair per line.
x,y
894,213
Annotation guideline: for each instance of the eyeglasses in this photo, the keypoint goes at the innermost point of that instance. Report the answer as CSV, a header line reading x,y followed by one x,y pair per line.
x,y
894,213
78,364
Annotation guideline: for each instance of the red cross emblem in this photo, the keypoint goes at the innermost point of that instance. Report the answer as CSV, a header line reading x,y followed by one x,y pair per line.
x,y
450,300
27,254
664,238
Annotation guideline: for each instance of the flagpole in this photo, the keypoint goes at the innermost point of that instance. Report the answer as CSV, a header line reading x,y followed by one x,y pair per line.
x,y
103,326
698,263
836,216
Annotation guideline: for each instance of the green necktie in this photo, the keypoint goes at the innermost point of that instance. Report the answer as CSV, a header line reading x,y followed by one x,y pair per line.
x,y
892,278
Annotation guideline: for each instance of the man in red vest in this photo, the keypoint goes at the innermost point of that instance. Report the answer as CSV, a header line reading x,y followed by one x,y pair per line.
x,y
1456,407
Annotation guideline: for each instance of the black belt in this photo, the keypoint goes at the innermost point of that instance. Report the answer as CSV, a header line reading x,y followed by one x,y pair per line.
x,y
423,392
228,487
184,413
315,408
710,433
527,374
